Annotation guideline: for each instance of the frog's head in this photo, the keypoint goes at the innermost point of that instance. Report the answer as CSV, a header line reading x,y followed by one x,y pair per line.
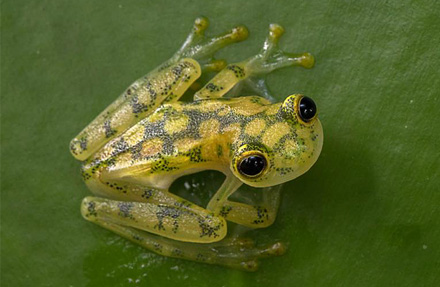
x,y
287,149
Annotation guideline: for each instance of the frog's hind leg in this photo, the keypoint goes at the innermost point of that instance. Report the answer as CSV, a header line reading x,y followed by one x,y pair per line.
x,y
140,209
230,253
193,224
270,58
137,102
165,84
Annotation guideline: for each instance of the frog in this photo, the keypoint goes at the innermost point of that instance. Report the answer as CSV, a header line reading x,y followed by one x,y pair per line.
x,y
148,137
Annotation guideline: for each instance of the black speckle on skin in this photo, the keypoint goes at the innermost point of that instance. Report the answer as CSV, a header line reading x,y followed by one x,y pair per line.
x,y
157,247
262,215
168,212
195,154
91,208
109,132
119,146
85,175
73,148
175,226
83,143
280,147
257,100
170,97
135,151
284,170
136,237
238,71
207,228
162,164
213,87
177,252
183,204
124,209
225,211
153,130
138,107
109,162
186,78
177,70
147,193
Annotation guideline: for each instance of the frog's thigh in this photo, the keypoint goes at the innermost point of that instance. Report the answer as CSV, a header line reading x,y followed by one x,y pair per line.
x,y
254,216
231,253
165,220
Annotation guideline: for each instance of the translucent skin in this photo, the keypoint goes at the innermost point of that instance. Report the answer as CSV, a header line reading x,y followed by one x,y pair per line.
x,y
137,147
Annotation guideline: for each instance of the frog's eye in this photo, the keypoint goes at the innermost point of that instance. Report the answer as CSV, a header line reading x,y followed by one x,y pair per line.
x,y
252,165
306,109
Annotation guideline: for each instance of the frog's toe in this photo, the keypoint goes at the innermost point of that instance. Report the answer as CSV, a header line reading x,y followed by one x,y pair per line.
x,y
271,57
240,33
251,265
201,47
275,33
277,249
200,25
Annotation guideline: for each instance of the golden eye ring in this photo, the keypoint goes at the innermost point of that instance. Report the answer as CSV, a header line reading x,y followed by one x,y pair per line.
x,y
252,165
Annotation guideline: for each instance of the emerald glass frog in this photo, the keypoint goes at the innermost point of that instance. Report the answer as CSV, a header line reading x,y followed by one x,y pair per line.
x,y
134,150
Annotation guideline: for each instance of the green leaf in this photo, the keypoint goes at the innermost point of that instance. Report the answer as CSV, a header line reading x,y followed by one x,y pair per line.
x,y
367,214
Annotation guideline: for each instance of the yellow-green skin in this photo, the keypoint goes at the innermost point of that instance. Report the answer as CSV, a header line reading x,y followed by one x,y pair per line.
x,y
146,139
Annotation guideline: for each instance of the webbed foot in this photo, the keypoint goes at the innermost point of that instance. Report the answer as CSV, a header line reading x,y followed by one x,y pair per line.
x,y
271,57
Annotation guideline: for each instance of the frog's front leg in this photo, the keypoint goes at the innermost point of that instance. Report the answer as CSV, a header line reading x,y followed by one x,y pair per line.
x,y
255,216
259,215
269,59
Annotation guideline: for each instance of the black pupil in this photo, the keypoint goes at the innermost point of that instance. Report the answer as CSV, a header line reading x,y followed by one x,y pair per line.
x,y
252,165
307,109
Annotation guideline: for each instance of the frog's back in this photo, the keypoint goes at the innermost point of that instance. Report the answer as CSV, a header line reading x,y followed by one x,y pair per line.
x,y
181,136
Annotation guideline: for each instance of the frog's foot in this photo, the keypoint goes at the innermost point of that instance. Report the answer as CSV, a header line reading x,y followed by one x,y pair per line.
x,y
237,254
246,74
202,48
271,57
